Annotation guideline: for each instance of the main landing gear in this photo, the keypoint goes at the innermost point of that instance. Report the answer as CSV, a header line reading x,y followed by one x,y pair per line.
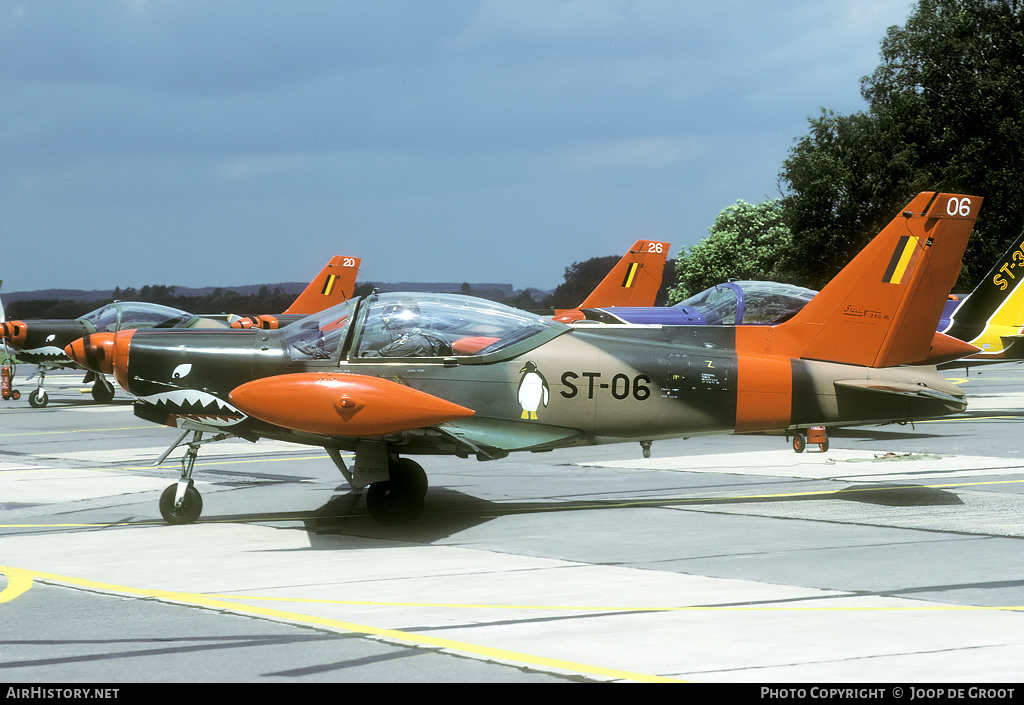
x,y
395,487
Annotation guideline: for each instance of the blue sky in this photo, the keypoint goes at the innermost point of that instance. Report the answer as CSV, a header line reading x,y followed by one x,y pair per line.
x,y
230,142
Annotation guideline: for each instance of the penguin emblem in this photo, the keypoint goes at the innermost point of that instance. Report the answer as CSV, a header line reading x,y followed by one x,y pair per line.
x,y
533,390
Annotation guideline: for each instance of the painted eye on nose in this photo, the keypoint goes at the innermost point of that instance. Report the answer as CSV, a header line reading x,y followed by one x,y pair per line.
x,y
181,371
50,338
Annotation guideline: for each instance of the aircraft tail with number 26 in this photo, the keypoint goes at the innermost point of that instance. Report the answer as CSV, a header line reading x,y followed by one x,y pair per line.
x,y
633,281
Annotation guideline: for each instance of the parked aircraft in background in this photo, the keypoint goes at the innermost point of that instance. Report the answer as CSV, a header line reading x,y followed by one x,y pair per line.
x,y
42,342
492,379
991,318
634,281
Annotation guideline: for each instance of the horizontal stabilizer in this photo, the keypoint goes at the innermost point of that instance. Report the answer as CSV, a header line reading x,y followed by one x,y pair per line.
x,y
1013,346
902,389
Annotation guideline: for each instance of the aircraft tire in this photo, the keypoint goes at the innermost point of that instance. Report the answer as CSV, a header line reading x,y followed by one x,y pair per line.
x,y
38,400
799,443
398,500
102,391
190,509
824,446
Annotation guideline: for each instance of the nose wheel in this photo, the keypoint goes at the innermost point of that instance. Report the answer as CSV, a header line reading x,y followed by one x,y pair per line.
x,y
102,390
181,502
185,512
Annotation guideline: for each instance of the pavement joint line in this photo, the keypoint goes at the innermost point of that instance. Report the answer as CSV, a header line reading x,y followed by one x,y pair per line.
x,y
560,506
22,580
602,504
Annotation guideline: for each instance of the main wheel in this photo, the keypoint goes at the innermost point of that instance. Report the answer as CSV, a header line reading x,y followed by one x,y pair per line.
x,y
398,500
38,399
190,509
799,443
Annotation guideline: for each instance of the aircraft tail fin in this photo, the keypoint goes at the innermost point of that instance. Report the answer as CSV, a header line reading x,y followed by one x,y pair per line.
x,y
633,281
883,308
994,311
333,285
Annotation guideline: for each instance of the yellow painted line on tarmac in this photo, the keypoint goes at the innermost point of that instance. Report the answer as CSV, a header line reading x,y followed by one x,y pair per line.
x,y
21,580
172,460
175,460
72,430
18,582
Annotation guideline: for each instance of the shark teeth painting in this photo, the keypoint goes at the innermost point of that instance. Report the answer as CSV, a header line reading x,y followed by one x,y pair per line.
x,y
197,406
47,352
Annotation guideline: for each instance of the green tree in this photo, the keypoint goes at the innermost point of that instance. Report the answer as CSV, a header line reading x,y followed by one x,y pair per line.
x,y
580,279
841,177
745,242
946,112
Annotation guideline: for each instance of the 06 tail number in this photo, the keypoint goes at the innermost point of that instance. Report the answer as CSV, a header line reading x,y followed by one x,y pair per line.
x,y
958,206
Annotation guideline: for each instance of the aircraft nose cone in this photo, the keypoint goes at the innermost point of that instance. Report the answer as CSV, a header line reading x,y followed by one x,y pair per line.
x,y
14,331
94,352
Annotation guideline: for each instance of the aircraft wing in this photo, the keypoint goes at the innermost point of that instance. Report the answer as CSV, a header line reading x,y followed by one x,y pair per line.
x,y
490,438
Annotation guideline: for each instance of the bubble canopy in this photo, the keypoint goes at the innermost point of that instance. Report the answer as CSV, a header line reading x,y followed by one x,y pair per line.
x,y
729,303
746,302
135,314
401,325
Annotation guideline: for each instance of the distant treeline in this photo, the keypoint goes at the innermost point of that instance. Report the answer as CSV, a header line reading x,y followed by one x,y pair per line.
x,y
221,300
580,280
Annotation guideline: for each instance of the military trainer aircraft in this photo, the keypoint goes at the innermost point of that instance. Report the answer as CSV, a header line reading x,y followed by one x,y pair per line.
x,y
42,342
394,375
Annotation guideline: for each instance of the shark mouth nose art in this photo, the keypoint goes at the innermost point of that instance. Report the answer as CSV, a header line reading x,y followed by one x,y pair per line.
x,y
194,405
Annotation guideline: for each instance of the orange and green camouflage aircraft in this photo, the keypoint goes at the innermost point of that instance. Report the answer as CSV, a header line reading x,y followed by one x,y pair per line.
x,y
395,375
